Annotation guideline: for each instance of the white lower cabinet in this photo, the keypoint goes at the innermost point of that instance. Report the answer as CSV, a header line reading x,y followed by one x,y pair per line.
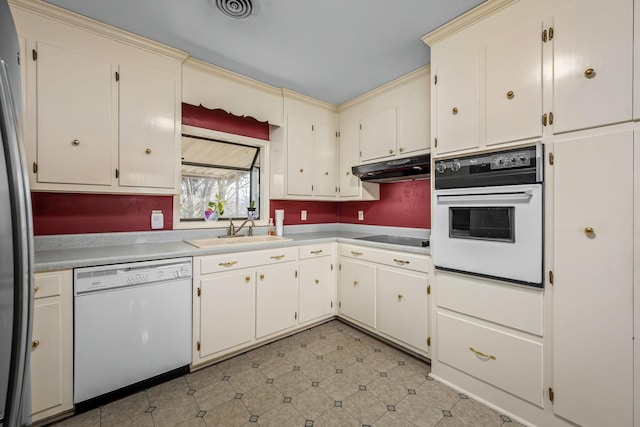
x,y
52,344
402,307
358,292
276,299
317,288
387,292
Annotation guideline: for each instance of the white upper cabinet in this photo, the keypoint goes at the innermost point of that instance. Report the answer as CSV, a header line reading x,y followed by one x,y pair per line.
x,y
300,157
325,153
75,108
457,100
102,107
378,135
148,154
348,156
592,64
514,85
414,124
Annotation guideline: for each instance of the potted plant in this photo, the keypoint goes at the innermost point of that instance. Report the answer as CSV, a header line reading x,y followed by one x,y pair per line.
x,y
251,210
215,209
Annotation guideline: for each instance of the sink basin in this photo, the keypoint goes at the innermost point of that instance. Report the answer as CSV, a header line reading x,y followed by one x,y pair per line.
x,y
216,241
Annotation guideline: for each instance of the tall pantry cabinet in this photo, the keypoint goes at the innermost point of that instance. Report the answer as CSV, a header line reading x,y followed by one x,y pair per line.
x,y
561,73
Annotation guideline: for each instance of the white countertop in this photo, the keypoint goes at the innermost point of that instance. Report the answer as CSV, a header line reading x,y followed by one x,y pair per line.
x,y
47,259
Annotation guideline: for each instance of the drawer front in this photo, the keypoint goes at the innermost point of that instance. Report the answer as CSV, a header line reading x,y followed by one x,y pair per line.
x,y
506,361
404,260
316,251
237,260
512,306
47,285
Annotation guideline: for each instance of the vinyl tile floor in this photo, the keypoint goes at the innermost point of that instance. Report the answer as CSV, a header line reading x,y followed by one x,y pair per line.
x,y
330,375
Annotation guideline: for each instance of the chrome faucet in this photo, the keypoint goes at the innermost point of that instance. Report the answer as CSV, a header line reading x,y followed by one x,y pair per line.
x,y
234,231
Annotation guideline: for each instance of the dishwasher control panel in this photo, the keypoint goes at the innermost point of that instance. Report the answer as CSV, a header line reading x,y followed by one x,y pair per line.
x,y
93,279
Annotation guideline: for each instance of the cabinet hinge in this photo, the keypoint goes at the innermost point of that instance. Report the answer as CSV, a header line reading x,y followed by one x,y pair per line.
x,y
312,188
117,76
331,267
199,292
340,267
296,274
435,79
295,315
550,33
34,54
361,154
337,134
429,290
544,36
117,173
198,345
550,118
360,126
311,128
339,304
331,303
550,394
435,142
429,341
551,159
35,167
551,277
544,119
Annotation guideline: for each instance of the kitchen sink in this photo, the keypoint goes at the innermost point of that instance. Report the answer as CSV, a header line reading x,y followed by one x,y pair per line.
x,y
227,241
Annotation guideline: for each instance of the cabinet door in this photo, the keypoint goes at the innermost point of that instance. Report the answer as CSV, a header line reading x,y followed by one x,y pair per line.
x,y
75,120
378,135
457,99
148,156
592,65
46,358
299,155
402,306
324,183
276,299
593,280
414,119
514,86
226,311
317,289
358,292
349,185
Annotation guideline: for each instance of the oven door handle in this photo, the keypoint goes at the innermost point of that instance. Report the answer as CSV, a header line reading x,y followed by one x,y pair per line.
x,y
514,197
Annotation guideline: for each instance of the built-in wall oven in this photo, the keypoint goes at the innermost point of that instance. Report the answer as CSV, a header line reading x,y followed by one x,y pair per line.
x,y
488,215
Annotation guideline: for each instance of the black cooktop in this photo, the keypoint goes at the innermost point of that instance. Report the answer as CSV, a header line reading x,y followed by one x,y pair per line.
x,y
397,240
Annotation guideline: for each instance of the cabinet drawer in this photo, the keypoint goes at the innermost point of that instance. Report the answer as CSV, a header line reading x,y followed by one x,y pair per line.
x,y
315,251
234,261
47,285
404,260
511,363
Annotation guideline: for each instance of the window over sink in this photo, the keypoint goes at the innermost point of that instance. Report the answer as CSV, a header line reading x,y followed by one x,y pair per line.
x,y
215,169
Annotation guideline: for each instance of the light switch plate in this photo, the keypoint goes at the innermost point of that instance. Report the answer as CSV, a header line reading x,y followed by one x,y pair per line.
x,y
360,215
303,215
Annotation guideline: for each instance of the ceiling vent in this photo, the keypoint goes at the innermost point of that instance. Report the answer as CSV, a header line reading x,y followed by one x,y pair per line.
x,y
238,9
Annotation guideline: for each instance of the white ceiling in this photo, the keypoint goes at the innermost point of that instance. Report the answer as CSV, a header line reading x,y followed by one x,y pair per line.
x,y
333,50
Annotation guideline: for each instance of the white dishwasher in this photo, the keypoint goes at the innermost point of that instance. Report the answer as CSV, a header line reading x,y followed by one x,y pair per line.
x,y
132,322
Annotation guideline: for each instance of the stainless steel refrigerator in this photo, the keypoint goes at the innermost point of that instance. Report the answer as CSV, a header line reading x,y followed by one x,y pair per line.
x,y
16,238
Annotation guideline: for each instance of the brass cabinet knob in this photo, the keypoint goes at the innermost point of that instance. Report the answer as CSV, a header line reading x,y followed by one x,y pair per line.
x,y
355,283
589,73
35,344
510,94
348,173
301,170
148,151
317,281
247,279
75,142
36,289
390,151
401,149
399,297
262,277
589,231
455,110
326,173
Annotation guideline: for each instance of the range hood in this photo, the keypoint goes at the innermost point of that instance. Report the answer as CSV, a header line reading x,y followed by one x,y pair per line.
x,y
397,170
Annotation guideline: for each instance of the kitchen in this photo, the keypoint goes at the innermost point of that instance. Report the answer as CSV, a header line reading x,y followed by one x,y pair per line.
x,y
548,327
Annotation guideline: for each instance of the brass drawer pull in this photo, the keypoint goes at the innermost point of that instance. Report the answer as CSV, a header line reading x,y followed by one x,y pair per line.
x,y
277,257
319,251
35,344
589,73
228,264
486,356
356,253
400,261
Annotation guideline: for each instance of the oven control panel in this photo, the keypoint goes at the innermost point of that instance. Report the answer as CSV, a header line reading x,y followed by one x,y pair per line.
x,y
510,160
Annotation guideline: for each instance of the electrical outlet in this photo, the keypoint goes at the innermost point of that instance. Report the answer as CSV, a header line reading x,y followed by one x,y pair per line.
x,y
303,215
360,215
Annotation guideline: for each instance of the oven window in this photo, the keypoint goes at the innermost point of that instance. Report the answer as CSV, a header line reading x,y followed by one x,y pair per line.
x,y
482,223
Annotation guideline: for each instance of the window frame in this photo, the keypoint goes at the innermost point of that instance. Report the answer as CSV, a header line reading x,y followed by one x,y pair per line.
x,y
234,139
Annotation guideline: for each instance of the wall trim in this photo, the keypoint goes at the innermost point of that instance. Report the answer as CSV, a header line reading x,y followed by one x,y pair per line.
x,y
476,14
71,18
